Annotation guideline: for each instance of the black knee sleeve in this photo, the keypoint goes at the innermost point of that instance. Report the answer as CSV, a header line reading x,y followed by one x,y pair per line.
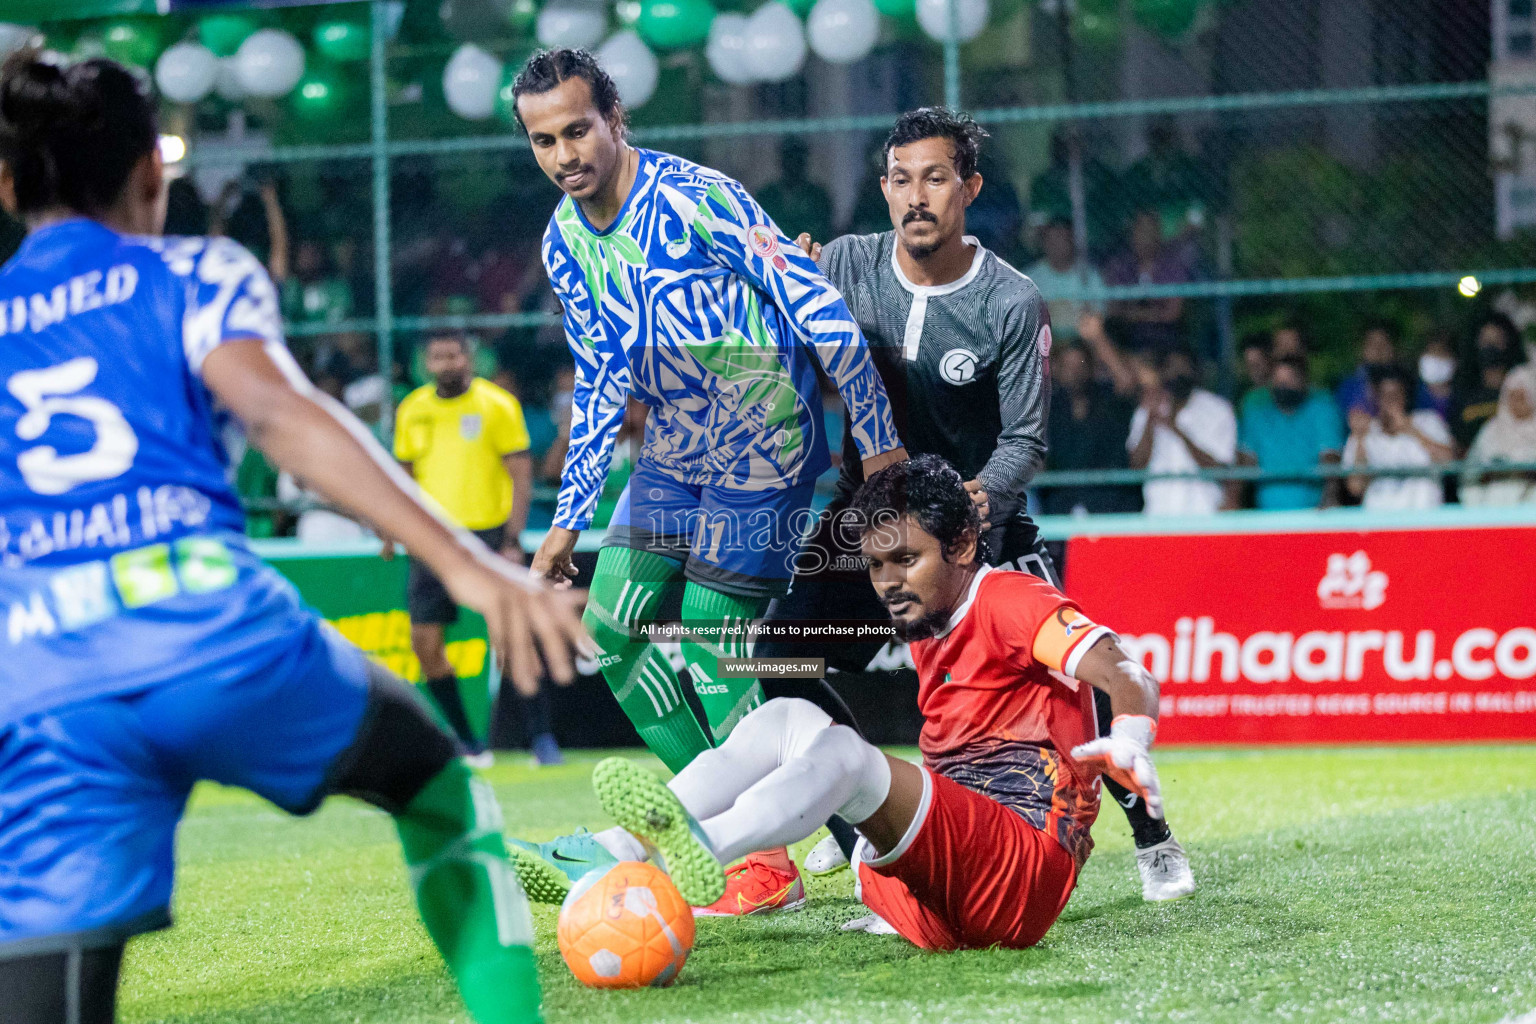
x,y
1102,711
74,986
843,834
398,750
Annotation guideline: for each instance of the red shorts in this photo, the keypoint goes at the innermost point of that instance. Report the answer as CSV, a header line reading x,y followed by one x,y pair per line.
x,y
969,874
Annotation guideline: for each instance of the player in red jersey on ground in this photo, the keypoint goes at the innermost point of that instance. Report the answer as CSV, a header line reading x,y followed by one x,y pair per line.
x,y
982,844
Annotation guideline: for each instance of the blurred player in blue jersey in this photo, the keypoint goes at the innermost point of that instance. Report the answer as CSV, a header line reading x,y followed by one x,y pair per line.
x,y
679,290
144,646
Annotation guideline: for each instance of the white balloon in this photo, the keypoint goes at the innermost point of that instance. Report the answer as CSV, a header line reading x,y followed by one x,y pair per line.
x,y
726,50
88,47
14,37
775,43
185,73
842,31
226,81
933,15
269,63
470,81
566,23
631,65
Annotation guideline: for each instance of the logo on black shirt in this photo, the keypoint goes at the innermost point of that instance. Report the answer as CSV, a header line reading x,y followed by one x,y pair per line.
x,y
958,366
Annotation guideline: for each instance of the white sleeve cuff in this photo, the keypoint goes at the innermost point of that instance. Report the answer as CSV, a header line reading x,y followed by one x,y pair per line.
x,y
913,829
1075,656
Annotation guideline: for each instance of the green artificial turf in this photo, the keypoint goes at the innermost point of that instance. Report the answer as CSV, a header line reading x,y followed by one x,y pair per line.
x,y
1359,884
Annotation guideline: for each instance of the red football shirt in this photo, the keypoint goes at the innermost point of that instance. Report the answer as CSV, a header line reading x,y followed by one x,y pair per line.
x,y
1002,711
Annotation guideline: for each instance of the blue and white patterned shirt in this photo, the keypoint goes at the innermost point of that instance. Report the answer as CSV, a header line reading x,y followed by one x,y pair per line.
x,y
694,302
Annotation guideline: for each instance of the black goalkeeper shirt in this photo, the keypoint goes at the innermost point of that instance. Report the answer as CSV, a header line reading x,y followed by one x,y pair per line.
x,y
965,364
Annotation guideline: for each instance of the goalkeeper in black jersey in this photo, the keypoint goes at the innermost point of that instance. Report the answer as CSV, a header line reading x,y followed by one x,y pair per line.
x,y
962,342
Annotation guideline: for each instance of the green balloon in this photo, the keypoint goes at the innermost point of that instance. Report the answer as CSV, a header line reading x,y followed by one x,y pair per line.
x,y
1002,10
223,33
674,24
131,41
522,14
318,96
504,109
803,7
1168,17
1091,29
58,38
906,9
513,63
342,41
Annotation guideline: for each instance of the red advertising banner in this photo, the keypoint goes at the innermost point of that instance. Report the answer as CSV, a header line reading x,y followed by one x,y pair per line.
x,y
1393,636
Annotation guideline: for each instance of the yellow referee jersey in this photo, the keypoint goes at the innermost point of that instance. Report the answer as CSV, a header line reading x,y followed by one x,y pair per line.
x,y
456,446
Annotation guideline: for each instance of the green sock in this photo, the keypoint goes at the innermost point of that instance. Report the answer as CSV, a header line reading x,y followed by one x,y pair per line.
x,y
468,896
717,625
627,590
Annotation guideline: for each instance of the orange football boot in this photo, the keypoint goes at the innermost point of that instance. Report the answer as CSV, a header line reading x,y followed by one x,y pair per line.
x,y
761,884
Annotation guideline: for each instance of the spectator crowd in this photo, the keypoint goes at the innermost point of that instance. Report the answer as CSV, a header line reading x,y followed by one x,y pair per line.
x,y
1386,418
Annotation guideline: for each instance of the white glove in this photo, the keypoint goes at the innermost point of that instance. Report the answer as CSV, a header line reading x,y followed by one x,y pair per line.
x,y
1124,756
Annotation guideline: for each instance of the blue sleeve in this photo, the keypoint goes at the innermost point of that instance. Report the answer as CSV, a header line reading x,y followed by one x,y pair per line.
x,y
1352,392
738,235
229,296
599,397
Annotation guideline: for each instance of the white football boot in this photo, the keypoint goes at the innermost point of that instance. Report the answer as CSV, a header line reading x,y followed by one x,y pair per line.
x,y
1165,873
869,924
872,924
825,857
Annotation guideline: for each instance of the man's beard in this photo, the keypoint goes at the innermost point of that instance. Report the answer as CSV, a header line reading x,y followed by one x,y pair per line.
x,y
920,628
921,252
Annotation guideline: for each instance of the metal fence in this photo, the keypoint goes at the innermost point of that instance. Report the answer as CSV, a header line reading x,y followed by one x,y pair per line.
x,y
1293,150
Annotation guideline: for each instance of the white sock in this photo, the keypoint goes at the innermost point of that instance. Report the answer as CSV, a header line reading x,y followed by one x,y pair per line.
x,y
763,740
621,844
836,773
770,736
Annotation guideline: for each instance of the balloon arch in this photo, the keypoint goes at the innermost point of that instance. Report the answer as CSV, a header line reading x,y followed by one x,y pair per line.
x,y
235,56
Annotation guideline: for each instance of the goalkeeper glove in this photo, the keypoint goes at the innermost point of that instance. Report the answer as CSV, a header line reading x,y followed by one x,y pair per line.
x,y
1124,756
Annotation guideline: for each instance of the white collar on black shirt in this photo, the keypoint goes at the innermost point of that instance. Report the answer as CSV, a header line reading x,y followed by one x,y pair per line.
x,y
929,290
965,606
912,336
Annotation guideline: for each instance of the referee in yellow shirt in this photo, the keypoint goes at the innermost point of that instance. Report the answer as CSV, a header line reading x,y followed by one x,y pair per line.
x,y
465,441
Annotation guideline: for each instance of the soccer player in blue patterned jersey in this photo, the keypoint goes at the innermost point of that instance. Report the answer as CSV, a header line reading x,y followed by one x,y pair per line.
x,y
145,647
679,290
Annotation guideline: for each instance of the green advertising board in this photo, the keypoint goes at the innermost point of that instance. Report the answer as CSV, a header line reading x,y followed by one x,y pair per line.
x,y
363,596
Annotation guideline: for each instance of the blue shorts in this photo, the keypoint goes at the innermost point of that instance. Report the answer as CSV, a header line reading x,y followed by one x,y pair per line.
x,y
91,793
735,541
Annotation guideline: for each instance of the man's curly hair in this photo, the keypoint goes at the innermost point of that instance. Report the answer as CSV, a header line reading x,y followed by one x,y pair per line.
x,y
940,123
926,488
548,68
